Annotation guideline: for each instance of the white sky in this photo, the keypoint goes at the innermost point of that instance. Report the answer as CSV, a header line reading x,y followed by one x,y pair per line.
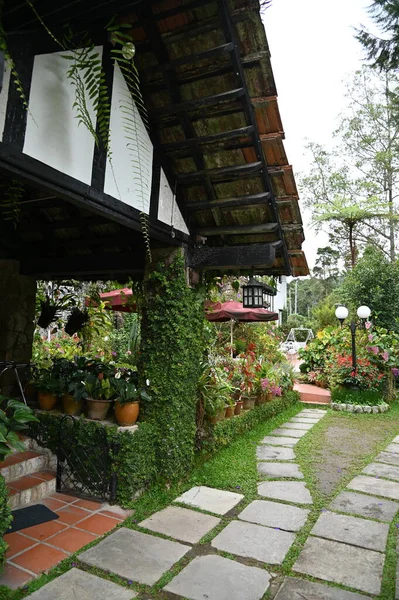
x,y
313,48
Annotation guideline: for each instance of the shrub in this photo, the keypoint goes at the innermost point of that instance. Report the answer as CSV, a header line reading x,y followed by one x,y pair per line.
x,y
5,518
366,397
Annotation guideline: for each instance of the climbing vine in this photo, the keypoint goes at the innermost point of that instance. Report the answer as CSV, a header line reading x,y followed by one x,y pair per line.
x,y
171,351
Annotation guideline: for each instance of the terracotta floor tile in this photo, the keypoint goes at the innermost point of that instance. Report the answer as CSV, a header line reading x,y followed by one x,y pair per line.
x,y
17,543
25,482
45,475
72,539
89,504
64,497
98,524
71,514
44,530
11,491
40,558
109,513
52,503
13,577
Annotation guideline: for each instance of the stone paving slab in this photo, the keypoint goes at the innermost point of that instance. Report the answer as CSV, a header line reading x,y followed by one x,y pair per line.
x,y
270,453
301,589
210,499
295,433
395,440
352,530
389,458
275,514
300,426
313,411
280,469
340,563
291,491
365,506
306,420
181,523
76,584
381,470
378,487
254,541
217,578
289,442
392,448
134,555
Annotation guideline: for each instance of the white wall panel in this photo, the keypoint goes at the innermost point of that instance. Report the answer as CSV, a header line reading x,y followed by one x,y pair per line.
x,y
53,134
4,98
128,176
167,206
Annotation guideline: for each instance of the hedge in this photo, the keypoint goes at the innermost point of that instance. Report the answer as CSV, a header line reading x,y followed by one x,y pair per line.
x,y
5,518
223,433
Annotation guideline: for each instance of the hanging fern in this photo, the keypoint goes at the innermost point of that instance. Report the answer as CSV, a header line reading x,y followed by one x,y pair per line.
x,y
10,201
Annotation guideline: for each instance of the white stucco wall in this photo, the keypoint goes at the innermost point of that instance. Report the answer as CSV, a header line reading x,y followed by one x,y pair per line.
x,y
128,176
280,300
4,98
167,206
53,134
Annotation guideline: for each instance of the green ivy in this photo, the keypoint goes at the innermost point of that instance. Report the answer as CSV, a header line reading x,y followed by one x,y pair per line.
x,y
171,351
5,518
223,433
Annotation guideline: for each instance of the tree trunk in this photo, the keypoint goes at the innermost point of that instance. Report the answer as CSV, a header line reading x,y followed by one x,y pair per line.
x,y
352,246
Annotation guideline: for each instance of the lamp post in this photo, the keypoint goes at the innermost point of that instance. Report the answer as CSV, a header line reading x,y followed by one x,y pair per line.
x,y
363,312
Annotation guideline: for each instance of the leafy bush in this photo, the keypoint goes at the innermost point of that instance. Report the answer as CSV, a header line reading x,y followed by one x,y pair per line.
x,y
5,518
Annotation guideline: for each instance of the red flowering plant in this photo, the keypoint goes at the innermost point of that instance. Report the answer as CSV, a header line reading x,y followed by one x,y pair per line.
x,y
366,377
249,368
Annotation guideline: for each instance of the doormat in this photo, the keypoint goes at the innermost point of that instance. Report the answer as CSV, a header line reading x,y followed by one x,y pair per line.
x,y
30,516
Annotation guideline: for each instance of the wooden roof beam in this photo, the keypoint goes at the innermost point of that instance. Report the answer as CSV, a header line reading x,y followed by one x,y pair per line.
x,y
261,256
237,229
181,107
209,139
190,58
221,174
248,200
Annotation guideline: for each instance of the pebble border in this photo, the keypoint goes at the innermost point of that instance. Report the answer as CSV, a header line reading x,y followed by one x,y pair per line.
x,y
360,408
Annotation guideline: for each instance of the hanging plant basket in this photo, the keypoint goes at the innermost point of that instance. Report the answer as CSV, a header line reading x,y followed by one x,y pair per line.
x,y
48,313
76,321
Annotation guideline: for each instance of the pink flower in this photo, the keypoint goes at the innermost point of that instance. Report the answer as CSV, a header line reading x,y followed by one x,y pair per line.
x,y
367,324
371,337
375,349
395,372
385,356
128,352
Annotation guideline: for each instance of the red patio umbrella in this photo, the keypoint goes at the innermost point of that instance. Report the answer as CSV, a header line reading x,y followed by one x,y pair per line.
x,y
119,300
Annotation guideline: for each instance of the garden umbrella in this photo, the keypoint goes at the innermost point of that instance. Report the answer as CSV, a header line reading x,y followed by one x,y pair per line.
x,y
234,311
119,300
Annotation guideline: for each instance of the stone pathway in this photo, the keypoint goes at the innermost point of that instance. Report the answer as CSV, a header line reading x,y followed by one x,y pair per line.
x,y
345,546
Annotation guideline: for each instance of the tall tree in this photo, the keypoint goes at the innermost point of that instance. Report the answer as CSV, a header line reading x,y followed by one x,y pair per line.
x,y
382,51
341,202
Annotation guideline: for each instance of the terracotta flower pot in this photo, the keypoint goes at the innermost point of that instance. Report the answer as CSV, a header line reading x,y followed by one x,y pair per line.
x,y
238,407
72,406
126,414
218,417
268,397
47,401
229,412
249,402
97,409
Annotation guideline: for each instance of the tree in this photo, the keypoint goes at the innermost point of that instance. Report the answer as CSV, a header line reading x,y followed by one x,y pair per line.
x,y
374,281
341,202
369,133
326,264
383,51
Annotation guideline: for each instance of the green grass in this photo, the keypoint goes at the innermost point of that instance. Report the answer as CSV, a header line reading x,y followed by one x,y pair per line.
x,y
366,397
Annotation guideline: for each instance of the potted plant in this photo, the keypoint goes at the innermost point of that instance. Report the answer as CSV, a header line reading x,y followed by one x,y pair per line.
x,y
230,407
48,388
249,368
127,399
99,395
213,392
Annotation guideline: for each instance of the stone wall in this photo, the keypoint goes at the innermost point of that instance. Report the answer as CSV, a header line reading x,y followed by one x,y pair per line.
x,y
17,313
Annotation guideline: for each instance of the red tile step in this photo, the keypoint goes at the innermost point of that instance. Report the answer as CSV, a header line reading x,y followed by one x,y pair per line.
x,y
31,488
23,463
311,394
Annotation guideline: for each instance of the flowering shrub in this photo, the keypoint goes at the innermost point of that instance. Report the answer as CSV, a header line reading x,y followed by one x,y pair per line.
x,y
366,377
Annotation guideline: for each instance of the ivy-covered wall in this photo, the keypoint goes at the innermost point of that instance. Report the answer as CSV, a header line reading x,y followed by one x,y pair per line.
x,y
5,519
171,351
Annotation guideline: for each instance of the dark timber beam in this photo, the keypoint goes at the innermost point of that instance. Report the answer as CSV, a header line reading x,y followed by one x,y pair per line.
x,y
209,139
238,229
181,107
223,173
248,200
190,58
126,263
261,256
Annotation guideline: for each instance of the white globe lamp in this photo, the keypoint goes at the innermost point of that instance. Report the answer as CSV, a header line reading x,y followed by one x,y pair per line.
x,y
341,313
363,312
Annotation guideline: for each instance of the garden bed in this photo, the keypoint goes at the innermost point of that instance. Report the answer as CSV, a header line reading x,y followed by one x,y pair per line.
x,y
360,408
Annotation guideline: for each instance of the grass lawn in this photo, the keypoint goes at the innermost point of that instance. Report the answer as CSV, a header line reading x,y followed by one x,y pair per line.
x,y
336,449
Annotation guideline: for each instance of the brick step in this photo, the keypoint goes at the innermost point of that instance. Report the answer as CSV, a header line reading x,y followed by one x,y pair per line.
x,y
31,488
23,463
311,394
